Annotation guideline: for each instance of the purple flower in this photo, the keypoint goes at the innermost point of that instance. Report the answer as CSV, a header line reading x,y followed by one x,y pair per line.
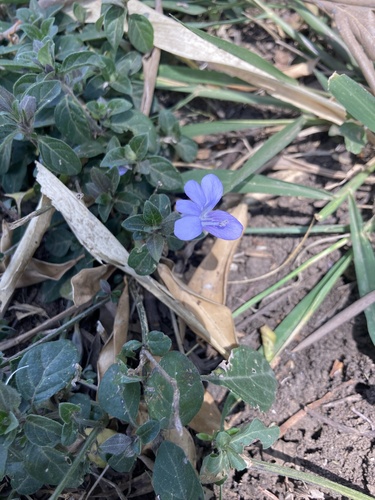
x,y
197,213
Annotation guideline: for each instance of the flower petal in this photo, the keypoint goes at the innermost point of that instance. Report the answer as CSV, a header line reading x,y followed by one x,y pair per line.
x,y
188,207
213,190
222,225
188,227
195,193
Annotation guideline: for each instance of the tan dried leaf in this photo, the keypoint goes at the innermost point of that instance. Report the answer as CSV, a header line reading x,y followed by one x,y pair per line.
x,y
208,419
86,283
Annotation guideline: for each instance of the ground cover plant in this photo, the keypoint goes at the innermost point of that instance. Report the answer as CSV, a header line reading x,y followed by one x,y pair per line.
x,y
110,199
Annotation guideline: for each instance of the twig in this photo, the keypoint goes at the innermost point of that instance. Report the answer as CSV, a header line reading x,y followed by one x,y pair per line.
x,y
342,317
8,34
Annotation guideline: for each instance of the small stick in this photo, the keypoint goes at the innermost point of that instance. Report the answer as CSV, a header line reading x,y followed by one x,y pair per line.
x,y
342,317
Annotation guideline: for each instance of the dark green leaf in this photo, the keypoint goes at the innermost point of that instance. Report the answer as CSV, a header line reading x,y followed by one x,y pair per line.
x,y
139,146
10,399
159,391
138,124
134,223
118,105
248,375
125,202
6,100
21,480
122,84
141,260
158,343
161,201
186,149
115,158
44,92
117,399
42,431
68,411
174,477
122,463
140,33
161,173
155,246
79,60
215,468
58,156
355,137
118,444
8,422
151,214
79,12
168,123
167,228
71,121
254,431
59,241
114,25
47,464
23,83
6,153
46,369
148,431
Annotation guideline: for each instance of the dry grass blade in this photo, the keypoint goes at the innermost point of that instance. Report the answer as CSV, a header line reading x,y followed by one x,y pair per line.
x,y
356,25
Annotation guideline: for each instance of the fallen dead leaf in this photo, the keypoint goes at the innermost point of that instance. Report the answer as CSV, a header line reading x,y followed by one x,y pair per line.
x,y
86,283
208,419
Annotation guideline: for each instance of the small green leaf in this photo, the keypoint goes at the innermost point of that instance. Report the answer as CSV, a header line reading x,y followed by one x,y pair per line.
x,y
114,25
118,444
186,149
161,173
159,392
21,480
155,246
46,369
174,477
71,121
141,261
42,431
8,422
139,146
68,411
254,431
162,202
134,223
114,158
79,12
6,153
354,136
10,399
215,468
248,375
158,343
118,399
148,431
6,100
44,92
151,214
58,156
140,33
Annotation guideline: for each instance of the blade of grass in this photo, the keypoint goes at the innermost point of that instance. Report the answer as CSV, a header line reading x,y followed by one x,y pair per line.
x,y
355,98
288,230
259,184
225,126
364,262
260,296
301,314
350,187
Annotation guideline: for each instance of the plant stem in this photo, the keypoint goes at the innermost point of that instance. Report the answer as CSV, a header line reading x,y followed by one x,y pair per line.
x,y
79,459
307,477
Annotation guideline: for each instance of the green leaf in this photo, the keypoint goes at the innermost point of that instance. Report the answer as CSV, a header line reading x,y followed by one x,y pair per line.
x,y
117,106
186,149
118,399
151,214
46,369
161,173
355,98
254,431
139,146
158,343
118,444
155,246
6,153
42,431
79,60
71,121
248,375
159,392
162,202
134,223
354,136
47,464
68,411
364,262
141,261
8,422
114,25
10,399
6,100
58,156
115,158
148,431
140,33
44,92
21,480
174,477
215,468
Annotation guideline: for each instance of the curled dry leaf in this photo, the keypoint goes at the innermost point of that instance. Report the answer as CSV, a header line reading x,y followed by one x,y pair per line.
x,y
119,335
86,283
5,244
23,254
208,419
38,271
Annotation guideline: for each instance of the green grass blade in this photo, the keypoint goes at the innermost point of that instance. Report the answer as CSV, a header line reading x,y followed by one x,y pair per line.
x,y
364,262
269,150
260,296
341,196
259,184
355,99
225,126
303,311
300,230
